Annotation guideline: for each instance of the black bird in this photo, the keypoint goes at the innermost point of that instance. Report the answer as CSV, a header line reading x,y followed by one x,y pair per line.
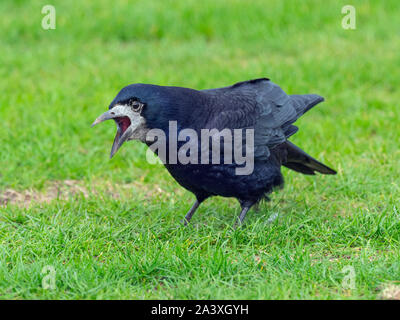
x,y
258,105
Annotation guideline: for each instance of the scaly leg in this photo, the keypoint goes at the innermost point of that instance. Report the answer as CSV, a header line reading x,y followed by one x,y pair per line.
x,y
246,205
190,213
241,217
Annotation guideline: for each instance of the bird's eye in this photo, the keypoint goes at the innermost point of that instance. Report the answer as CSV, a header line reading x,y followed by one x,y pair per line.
x,y
135,105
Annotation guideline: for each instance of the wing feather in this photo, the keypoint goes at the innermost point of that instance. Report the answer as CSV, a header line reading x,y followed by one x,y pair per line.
x,y
261,105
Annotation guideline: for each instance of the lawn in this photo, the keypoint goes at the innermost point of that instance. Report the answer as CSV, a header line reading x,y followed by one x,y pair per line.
x,y
110,229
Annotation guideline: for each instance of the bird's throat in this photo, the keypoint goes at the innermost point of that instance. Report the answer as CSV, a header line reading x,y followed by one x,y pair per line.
x,y
123,123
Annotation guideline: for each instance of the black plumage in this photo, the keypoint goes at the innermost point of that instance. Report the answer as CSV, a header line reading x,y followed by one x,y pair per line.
x,y
256,104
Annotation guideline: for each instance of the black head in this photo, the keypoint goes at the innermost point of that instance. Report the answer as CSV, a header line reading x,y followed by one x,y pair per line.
x,y
128,111
137,108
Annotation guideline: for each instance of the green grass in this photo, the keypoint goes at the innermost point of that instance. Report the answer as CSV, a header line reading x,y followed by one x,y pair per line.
x,y
126,242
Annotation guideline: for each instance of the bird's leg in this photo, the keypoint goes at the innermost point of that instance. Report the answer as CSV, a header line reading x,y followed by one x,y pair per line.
x,y
241,217
190,213
245,208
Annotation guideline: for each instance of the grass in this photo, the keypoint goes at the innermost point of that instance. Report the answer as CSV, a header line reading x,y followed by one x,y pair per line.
x,y
121,238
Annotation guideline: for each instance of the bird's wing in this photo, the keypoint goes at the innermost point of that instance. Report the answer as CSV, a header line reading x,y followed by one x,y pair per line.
x,y
263,106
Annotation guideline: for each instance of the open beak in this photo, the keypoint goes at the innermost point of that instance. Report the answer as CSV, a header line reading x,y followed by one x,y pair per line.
x,y
124,129
105,116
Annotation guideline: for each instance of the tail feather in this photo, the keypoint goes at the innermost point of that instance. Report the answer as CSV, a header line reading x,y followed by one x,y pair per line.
x,y
293,157
300,161
304,102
